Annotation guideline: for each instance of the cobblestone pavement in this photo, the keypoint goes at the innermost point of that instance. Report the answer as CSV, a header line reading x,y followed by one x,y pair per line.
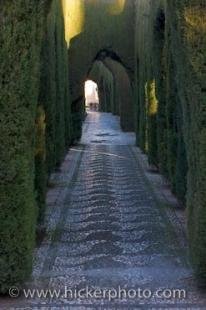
x,y
106,229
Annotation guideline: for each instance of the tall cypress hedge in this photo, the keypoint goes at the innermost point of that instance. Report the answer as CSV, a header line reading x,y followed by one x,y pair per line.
x,y
19,67
35,124
190,18
54,100
104,79
171,52
159,112
123,98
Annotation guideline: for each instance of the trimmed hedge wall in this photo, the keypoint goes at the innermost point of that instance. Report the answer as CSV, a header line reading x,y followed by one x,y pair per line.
x,y
19,61
123,96
170,104
35,124
101,26
53,98
115,90
190,60
159,113
104,79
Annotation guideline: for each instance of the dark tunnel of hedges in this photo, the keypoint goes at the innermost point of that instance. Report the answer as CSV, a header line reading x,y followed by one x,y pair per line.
x,y
42,106
39,120
115,90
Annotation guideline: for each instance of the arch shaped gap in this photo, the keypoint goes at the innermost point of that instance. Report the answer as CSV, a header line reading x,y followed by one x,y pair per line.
x,y
91,94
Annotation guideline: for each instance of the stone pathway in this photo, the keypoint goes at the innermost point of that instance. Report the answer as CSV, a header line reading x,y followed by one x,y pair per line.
x,y
107,230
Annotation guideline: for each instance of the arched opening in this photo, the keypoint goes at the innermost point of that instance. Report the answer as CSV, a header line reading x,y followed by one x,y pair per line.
x,y
114,87
91,95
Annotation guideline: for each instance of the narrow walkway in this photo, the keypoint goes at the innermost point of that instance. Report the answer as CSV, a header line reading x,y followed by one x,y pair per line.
x,y
107,230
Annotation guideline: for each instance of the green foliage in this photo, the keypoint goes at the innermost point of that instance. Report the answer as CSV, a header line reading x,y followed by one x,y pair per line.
x,y
54,91
38,122
103,29
176,152
159,114
105,81
159,69
142,73
123,99
152,108
54,98
115,90
170,49
77,115
60,83
190,17
19,61
35,124
40,162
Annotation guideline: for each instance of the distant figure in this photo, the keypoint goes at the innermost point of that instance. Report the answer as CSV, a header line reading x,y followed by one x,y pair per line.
x,y
91,95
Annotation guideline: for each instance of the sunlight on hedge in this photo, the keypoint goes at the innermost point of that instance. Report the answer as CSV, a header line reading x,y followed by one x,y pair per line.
x,y
153,102
196,17
74,16
116,7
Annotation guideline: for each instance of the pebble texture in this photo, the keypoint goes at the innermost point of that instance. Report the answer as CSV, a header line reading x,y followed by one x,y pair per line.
x,y
105,228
